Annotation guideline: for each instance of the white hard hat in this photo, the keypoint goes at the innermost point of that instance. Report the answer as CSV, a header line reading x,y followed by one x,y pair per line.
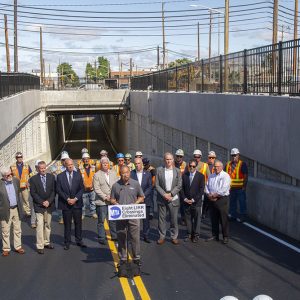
x,y
212,154
179,152
197,152
64,155
138,153
37,162
234,151
262,297
229,298
84,150
103,152
85,155
128,155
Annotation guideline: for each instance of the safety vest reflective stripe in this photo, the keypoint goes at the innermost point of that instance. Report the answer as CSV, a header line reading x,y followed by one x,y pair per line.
x,y
117,169
88,180
182,167
203,170
237,177
24,177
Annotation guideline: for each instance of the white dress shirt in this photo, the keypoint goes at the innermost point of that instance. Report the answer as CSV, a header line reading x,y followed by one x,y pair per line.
x,y
169,180
218,183
139,177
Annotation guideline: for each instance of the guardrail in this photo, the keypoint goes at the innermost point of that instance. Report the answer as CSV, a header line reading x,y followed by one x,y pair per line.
x,y
272,69
12,83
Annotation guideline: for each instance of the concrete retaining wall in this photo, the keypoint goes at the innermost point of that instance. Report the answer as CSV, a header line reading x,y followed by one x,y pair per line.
x,y
265,129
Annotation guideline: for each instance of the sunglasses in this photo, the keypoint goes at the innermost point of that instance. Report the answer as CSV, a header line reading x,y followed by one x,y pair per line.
x,y
19,156
211,158
197,156
234,155
179,156
192,166
7,175
120,160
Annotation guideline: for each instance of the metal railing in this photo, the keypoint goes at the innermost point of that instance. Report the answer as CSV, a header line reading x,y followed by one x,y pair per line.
x,y
272,69
12,83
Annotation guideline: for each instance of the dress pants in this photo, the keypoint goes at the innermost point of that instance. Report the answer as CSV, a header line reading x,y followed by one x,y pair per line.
x,y
193,219
146,222
14,220
219,214
102,213
76,214
162,215
237,196
25,196
132,228
43,229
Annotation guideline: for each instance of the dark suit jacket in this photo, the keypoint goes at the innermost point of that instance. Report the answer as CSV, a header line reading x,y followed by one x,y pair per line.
x,y
195,190
4,201
146,185
64,192
39,195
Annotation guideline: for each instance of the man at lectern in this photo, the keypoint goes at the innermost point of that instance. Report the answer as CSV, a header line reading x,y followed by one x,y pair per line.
x,y
127,191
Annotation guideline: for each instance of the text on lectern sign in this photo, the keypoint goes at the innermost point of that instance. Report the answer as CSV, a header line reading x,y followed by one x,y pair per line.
x,y
126,212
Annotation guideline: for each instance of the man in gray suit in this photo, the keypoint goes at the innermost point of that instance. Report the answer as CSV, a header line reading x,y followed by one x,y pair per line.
x,y
11,211
102,183
168,185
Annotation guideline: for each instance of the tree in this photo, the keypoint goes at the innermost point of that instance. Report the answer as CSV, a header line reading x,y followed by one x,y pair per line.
x,y
90,72
67,75
179,62
103,67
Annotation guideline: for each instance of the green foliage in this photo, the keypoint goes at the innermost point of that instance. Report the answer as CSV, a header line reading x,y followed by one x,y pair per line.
x,y
67,75
179,62
100,72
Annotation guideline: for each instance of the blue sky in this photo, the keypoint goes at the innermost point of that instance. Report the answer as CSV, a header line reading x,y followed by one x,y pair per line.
x,y
84,34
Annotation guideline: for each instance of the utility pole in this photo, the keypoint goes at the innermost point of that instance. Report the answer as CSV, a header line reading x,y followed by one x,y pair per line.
x,y
16,67
95,65
209,43
226,43
119,63
163,34
41,56
198,41
158,58
44,70
6,45
219,33
275,21
130,68
295,38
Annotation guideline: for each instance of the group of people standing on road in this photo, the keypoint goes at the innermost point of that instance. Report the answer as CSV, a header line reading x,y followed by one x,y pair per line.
x,y
86,188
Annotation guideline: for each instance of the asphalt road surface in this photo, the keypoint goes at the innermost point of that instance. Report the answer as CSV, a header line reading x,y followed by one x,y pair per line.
x,y
251,264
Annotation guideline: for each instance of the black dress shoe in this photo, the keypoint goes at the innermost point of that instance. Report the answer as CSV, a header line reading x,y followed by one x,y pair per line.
x,y
195,239
50,246
137,262
81,244
225,240
212,238
40,251
146,240
66,247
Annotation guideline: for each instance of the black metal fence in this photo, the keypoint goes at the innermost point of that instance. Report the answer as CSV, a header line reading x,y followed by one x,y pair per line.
x,y
272,69
12,83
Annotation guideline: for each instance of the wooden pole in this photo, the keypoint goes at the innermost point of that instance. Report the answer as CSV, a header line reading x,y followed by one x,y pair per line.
x,y
16,64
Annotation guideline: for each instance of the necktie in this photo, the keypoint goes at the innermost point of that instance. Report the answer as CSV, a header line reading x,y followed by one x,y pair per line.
x,y
43,177
191,178
70,180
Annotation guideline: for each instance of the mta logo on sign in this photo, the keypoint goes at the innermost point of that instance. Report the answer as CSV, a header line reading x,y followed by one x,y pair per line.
x,y
115,212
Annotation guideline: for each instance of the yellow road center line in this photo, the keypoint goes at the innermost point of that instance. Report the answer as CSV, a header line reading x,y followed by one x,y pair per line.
x,y
123,281
137,279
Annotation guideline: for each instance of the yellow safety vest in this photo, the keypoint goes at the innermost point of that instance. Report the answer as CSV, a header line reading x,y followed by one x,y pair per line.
x,y
87,179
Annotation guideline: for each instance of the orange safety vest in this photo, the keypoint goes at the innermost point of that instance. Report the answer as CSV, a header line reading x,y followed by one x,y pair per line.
x,y
212,169
117,169
153,176
88,179
203,170
182,167
25,175
237,177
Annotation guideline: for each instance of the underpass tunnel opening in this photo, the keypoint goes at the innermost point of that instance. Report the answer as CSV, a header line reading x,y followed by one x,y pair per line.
x,y
73,132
